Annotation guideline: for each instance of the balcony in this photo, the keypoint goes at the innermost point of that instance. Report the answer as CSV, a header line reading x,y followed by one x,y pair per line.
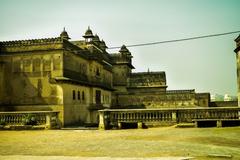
x,y
94,106
77,77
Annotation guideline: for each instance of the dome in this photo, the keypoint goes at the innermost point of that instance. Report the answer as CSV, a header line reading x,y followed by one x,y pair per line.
x,y
88,33
64,34
123,49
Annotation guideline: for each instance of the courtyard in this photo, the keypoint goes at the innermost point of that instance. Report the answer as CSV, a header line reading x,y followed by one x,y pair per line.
x,y
152,143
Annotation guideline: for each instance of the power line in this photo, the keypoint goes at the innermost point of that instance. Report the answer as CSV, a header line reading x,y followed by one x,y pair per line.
x,y
177,40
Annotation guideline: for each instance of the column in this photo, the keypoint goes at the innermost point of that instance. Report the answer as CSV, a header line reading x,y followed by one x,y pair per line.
x,y
48,121
140,124
174,116
196,123
119,125
219,123
102,125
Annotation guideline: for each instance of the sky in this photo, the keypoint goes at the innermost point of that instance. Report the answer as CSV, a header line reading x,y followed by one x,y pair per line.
x,y
206,65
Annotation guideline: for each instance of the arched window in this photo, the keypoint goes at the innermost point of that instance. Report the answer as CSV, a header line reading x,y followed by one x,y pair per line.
x,y
83,96
98,72
79,96
73,94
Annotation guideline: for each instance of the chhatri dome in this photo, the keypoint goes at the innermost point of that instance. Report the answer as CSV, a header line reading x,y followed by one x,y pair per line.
x,y
64,34
88,33
124,50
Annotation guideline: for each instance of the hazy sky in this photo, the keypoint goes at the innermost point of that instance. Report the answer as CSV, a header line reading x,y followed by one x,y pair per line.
x,y
207,65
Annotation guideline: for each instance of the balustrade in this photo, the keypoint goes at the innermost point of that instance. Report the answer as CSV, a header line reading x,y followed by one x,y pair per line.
x,y
172,115
38,117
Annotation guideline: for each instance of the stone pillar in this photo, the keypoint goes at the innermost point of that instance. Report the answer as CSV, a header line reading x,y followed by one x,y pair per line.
x,y
102,124
140,124
48,121
119,125
219,123
196,124
174,116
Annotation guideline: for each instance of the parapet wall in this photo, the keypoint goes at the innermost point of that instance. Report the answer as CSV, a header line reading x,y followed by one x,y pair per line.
x,y
173,99
147,79
223,104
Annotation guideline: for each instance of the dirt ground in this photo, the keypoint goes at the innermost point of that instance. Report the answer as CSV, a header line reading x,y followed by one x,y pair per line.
x,y
200,143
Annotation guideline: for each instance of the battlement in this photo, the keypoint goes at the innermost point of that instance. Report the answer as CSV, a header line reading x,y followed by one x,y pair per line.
x,y
158,73
147,79
20,46
118,58
31,42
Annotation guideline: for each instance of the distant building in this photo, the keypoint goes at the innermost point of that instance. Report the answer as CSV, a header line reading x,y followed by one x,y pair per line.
x,y
78,78
227,97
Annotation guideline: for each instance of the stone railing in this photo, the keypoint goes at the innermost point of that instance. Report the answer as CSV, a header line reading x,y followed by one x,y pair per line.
x,y
48,119
208,113
143,116
114,117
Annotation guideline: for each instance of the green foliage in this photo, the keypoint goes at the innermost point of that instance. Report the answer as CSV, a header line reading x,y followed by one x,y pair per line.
x,y
30,119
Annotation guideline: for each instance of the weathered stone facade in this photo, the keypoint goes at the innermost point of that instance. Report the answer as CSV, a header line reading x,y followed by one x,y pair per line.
x,y
148,89
78,78
237,51
56,74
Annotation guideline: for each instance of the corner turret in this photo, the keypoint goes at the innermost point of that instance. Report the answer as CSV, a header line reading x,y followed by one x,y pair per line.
x,y
237,40
88,35
64,35
124,51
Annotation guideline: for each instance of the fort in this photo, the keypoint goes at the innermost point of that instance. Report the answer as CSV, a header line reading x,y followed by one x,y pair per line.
x,y
57,82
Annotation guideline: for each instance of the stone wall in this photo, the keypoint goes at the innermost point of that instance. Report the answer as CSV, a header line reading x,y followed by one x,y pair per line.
x,y
86,71
170,99
2,83
80,103
223,104
237,51
202,99
147,79
75,67
42,75
120,74
28,76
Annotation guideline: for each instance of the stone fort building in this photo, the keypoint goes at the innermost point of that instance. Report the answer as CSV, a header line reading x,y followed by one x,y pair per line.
x,y
78,78
237,51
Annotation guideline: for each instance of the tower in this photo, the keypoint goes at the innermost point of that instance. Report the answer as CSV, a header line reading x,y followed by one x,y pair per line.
x,y
64,35
122,68
88,35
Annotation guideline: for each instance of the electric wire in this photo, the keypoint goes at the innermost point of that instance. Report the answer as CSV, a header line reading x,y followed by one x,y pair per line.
x,y
177,40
